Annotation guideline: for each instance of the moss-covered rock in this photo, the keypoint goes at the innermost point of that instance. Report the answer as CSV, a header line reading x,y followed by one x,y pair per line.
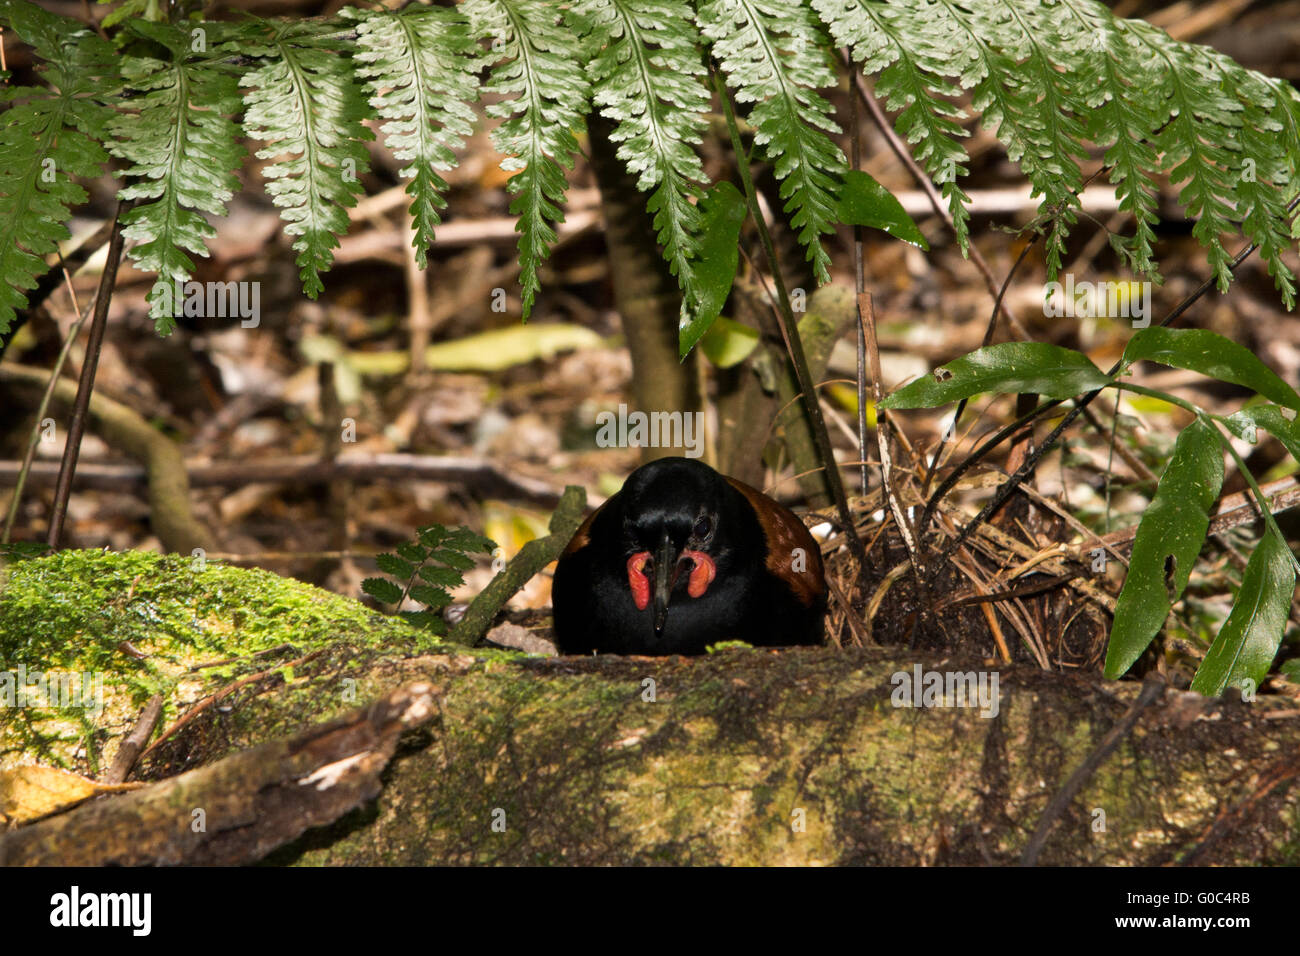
x,y
742,756
121,627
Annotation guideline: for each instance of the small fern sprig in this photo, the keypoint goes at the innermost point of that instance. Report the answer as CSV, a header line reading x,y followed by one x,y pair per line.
x,y
646,74
181,146
425,570
774,54
304,102
538,71
419,72
48,136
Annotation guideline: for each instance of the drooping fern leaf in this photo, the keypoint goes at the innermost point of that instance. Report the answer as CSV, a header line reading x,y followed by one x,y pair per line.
x,y
47,136
182,149
646,73
910,64
1266,171
1122,121
1016,87
1198,108
1052,77
538,71
305,103
773,52
417,68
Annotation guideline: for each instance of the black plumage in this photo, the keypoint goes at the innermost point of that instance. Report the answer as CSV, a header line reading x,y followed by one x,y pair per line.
x,y
684,557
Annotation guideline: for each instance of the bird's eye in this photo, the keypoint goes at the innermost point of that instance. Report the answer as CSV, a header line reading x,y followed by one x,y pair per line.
x,y
703,525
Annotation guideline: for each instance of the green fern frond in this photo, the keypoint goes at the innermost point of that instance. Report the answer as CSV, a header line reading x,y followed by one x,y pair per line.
x,y
181,146
774,54
1121,120
306,105
418,69
1198,143
1017,89
646,76
1265,186
911,62
538,71
48,135
1053,77
1266,171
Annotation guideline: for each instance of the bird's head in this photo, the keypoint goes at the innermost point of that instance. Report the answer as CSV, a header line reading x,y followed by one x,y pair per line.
x,y
674,532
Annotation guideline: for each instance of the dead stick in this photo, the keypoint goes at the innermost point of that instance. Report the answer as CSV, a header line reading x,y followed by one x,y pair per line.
x,y
130,748
86,385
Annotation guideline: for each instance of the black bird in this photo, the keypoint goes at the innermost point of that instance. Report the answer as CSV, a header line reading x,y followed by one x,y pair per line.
x,y
681,558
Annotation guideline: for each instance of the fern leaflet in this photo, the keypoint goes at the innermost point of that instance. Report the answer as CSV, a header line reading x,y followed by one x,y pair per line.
x,y
773,52
304,103
181,145
47,136
911,63
539,72
417,67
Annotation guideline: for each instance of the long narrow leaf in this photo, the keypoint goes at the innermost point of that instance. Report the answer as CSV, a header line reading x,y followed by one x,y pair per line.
x,y
1248,641
1034,367
1200,350
1169,538
715,269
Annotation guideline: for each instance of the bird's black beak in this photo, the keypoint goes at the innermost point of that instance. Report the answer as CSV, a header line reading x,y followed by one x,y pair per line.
x,y
665,576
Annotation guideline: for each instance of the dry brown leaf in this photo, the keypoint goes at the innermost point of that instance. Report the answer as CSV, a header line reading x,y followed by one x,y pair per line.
x,y
31,792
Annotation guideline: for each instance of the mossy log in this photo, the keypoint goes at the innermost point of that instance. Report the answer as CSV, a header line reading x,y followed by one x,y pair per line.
x,y
741,757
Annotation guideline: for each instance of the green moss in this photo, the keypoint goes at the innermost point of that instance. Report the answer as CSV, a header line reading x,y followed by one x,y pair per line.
x,y
135,624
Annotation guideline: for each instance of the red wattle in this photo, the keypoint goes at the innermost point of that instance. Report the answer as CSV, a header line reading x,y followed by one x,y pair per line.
x,y
702,574
637,580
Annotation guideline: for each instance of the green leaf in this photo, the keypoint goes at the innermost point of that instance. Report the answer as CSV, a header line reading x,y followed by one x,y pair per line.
x,y
418,70
382,589
431,597
727,342
49,137
395,566
775,55
1249,639
715,269
1169,537
647,77
304,103
183,152
911,59
412,552
466,541
864,202
442,577
540,91
1200,350
432,536
453,559
1013,367
1052,79
1272,420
